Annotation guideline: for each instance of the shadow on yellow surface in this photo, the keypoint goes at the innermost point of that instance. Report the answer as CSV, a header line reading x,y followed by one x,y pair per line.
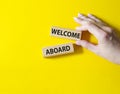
x,y
24,31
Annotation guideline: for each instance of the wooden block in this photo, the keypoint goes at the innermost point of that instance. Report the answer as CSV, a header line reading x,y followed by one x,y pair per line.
x,y
65,33
58,50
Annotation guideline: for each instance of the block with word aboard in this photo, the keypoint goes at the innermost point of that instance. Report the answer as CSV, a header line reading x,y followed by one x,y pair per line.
x,y
65,33
58,50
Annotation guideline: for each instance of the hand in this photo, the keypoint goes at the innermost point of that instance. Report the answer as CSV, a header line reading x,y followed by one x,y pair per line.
x,y
108,42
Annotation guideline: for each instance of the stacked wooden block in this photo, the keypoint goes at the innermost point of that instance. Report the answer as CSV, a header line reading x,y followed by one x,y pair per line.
x,y
63,48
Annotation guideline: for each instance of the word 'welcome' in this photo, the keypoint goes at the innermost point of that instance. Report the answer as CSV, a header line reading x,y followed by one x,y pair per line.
x,y
65,33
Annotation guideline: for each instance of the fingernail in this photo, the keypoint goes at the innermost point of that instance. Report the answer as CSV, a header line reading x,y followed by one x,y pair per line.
x,y
89,14
79,14
77,28
74,18
78,42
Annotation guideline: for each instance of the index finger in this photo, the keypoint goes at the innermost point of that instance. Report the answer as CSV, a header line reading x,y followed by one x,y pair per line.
x,y
91,27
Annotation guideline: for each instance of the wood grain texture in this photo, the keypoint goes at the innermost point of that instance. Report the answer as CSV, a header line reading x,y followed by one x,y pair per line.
x,y
65,33
58,50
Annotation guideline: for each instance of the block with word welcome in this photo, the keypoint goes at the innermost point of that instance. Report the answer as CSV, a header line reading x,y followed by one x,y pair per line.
x,y
58,50
65,33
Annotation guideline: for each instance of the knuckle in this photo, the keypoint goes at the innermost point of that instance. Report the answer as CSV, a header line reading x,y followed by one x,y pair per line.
x,y
97,52
86,44
87,22
105,35
109,29
90,20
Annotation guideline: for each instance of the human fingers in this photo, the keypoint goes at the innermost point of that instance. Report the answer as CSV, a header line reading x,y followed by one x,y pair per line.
x,y
87,45
101,24
95,18
92,28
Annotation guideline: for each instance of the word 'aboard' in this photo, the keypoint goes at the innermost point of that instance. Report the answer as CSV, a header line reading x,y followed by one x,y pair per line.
x,y
58,50
65,33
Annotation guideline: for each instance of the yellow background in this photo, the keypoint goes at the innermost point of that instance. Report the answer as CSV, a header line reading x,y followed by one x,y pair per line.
x,y
24,31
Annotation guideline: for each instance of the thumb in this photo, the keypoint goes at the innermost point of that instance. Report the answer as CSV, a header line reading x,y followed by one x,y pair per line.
x,y
87,45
